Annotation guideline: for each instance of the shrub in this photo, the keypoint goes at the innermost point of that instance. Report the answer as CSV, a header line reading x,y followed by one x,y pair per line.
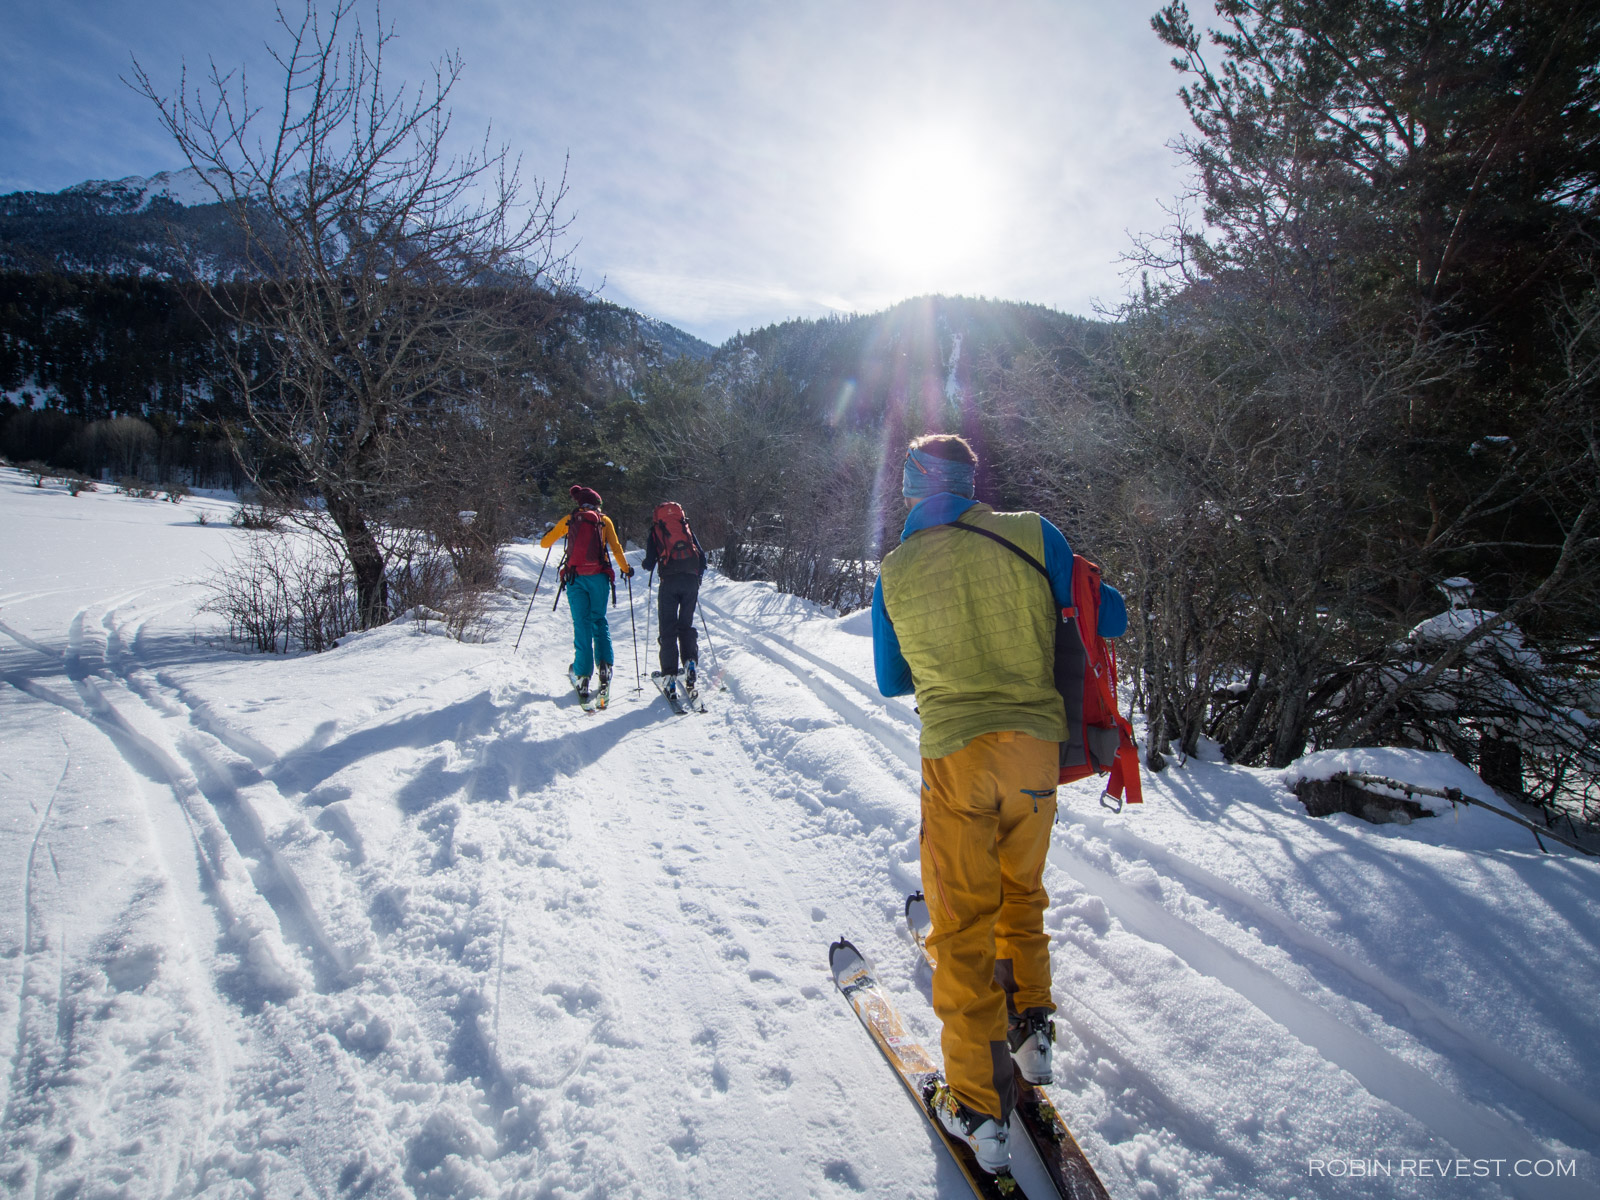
x,y
131,485
259,518
285,591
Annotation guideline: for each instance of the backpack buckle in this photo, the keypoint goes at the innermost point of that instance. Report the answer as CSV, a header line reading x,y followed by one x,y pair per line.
x,y
1107,796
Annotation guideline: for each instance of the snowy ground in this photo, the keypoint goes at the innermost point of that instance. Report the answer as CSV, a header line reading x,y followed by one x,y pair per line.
x,y
400,919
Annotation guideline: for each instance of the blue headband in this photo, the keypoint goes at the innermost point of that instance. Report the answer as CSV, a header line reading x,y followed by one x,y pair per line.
x,y
926,476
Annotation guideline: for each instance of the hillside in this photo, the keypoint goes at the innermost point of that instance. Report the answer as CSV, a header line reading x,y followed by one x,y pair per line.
x,y
94,317
401,920
920,356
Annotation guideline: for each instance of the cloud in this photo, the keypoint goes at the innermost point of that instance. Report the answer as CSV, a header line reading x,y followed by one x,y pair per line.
x,y
723,159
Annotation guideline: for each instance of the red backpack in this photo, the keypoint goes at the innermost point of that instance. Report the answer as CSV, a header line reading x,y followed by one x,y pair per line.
x,y
673,535
586,546
1099,738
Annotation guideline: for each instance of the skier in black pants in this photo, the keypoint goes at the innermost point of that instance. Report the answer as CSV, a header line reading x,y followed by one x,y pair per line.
x,y
672,546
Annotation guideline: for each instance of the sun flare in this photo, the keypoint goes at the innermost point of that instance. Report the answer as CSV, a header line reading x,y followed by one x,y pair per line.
x,y
924,207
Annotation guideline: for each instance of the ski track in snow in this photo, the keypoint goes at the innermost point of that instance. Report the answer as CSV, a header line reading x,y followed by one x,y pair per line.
x,y
1469,1128
402,920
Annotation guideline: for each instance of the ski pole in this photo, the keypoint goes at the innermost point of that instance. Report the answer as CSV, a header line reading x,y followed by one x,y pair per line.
x,y
700,610
638,679
532,598
649,587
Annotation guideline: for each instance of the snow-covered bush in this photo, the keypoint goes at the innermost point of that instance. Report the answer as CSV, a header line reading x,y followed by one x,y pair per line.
x,y
1527,720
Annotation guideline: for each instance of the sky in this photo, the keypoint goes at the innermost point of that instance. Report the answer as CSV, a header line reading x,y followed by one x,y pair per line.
x,y
728,165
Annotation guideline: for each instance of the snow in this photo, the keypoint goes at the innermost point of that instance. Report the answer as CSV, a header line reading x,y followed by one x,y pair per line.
x,y
400,920
136,192
1420,768
1456,623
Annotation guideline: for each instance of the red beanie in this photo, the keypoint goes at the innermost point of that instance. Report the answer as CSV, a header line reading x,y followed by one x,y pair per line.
x,y
584,495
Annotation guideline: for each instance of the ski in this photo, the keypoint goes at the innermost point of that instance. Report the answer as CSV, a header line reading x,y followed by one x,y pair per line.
x,y
920,1075
1059,1152
672,696
585,700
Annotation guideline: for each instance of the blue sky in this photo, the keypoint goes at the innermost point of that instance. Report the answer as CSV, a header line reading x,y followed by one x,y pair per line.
x,y
730,164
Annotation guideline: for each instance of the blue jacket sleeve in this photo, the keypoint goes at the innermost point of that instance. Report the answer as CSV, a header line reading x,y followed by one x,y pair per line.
x,y
894,673
1113,612
1058,563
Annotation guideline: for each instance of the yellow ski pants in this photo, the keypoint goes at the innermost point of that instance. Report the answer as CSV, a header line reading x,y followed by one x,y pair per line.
x,y
987,811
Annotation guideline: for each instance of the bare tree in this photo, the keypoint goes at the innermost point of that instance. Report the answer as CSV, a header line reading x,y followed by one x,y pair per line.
x,y
729,447
388,279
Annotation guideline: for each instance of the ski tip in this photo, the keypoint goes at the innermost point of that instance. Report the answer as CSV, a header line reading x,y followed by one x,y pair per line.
x,y
844,960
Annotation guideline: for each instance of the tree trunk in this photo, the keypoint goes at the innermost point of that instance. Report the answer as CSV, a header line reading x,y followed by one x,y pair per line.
x,y
1500,763
366,559
1290,740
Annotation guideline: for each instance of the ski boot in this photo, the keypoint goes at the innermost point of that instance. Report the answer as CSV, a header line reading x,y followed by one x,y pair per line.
x,y
603,696
987,1136
1031,1034
580,684
691,684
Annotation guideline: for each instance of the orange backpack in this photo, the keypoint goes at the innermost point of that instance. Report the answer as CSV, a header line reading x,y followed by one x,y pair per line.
x,y
673,535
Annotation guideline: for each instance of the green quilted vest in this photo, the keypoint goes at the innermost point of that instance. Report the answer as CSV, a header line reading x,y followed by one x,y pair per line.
x,y
977,626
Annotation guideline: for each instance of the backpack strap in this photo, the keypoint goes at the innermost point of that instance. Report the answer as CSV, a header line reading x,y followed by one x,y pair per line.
x,y
566,552
1007,543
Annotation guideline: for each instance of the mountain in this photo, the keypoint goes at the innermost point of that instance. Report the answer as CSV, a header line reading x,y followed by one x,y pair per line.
x,y
95,319
924,356
129,226
134,226
188,188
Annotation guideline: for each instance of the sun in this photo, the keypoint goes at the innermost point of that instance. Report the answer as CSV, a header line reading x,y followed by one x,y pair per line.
x,y
924,208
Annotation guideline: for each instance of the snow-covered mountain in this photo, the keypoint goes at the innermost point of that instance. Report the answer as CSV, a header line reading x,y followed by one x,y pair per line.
x,y
132,226
400,920
127,227
187,188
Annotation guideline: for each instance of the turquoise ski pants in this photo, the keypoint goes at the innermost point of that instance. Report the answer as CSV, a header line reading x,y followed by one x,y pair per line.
x,y
587,597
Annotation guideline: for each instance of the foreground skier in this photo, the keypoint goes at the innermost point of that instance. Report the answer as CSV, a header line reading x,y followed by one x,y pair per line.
x,y
967,623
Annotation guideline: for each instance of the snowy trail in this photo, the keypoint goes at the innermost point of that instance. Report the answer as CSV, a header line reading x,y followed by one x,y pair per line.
x,y
1468,1128
401,920
1398,1082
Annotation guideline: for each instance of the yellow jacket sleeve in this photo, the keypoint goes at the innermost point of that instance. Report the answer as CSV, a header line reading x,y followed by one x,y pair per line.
x,y
616,546
559,530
